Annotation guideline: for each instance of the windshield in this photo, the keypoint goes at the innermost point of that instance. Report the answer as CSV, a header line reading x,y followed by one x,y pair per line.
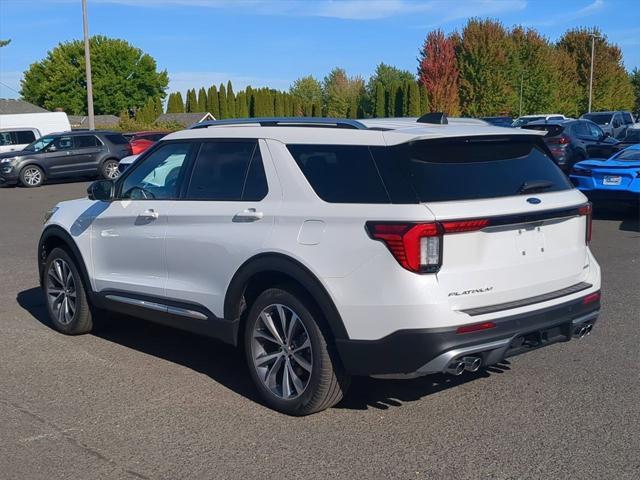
x,y
629,156
599,118
524,120
39,144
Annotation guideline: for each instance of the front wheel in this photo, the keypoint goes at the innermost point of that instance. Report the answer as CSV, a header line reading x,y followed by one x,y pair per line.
x,y
31,176
290,360
110,169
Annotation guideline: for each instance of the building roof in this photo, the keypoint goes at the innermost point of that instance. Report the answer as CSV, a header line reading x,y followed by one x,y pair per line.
x,y
82,121
12,106
184,119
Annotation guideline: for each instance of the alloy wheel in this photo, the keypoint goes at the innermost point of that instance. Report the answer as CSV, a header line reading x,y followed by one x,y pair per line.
x,y
32,176
281,352
61,291
111,170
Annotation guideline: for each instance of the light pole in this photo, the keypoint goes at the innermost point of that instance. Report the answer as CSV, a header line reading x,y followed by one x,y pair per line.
x,y
593,47
87,65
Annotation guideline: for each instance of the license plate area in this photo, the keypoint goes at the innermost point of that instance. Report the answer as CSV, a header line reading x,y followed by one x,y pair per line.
x,y
530,240
612,180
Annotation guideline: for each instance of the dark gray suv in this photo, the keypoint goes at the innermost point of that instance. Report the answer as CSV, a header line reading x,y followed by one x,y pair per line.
x,y
68,154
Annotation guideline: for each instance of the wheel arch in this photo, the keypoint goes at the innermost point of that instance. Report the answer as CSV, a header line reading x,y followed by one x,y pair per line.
x,y
271,269
55,236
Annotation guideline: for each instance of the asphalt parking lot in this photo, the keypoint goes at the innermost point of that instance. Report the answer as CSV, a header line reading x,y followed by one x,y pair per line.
x,y
138,400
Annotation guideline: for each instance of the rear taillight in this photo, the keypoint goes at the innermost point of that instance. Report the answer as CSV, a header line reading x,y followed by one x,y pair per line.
x,y
591,298
418,246
561,140
475,327
581,172
587,210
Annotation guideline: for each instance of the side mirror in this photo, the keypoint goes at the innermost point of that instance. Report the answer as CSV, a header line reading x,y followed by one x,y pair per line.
x,y
101,190
607,134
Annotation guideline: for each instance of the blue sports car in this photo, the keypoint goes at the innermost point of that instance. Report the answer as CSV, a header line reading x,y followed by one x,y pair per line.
x,y
617,178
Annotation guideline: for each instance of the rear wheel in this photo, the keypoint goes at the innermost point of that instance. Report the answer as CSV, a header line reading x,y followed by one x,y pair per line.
x,y
291,362
66,297
31,176
110,169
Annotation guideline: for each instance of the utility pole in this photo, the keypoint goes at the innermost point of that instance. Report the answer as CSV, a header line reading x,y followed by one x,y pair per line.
x,y
87,64
593,48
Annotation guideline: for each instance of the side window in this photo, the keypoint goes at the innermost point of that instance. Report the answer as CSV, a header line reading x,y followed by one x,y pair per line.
x,y
7,139
581,129
341,173
62,143
628,119
85,141
158,176
228,171
596,131
25,137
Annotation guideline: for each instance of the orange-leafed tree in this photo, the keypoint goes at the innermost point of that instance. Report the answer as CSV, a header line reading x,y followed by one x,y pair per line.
x,y
438,73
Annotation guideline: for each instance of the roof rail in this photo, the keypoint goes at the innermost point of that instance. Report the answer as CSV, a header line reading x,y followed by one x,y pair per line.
x,y
437,118
285,122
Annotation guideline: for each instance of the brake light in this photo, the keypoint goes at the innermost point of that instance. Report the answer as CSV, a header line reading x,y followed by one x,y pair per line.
x,y
475,327
591,298
581,172
561,140
587,210
418,246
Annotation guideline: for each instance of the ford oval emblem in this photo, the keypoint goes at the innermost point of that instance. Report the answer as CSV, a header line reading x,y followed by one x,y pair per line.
x,y
534,200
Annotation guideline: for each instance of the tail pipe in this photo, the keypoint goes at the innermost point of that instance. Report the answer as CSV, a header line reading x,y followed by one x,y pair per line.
x,y
455,368
472,364
583,330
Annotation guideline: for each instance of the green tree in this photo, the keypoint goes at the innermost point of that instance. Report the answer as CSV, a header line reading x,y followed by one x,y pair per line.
x,y
231,101
424,100
635,81
483,61
379,110
202,100
391,98
340,91
178,104
242,108
612,88
192,101
222,101
308,91
279,105
124,77
4,43
213,105
386,75
413,108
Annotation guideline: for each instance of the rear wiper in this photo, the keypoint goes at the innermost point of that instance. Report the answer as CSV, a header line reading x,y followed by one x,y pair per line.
x,y
535,185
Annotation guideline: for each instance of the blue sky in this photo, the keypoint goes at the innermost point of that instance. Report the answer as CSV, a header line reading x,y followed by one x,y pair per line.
x,y
273,42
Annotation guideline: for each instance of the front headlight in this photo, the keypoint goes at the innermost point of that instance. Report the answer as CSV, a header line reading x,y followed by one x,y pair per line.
x,y
49,213
8,160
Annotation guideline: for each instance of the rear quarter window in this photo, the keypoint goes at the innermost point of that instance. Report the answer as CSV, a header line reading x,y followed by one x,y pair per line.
x,y
116,139
341,173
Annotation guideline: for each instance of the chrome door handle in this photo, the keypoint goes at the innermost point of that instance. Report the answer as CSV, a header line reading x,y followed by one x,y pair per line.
x,y
248,215
151,214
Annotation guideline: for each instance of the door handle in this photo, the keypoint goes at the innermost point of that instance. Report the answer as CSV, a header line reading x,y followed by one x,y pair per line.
x,y
248,215
150,214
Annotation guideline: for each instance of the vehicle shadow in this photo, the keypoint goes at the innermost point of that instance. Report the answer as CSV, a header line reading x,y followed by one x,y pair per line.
x,y
629,217
226,364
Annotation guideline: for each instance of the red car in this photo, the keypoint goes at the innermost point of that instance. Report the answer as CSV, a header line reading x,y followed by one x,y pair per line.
x,y
140,141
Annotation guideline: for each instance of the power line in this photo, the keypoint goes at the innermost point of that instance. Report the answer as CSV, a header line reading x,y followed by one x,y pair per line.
x,y
10,88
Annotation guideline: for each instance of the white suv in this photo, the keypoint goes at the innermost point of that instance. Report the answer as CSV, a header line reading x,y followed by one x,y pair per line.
x,y
330,248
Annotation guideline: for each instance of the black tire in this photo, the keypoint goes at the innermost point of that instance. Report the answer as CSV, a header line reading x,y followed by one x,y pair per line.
x,y
109,169
31,176
81,320
327,382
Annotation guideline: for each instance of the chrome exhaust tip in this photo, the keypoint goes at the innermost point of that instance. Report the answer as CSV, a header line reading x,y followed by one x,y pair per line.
x,y
472,364
589,328
455,368
582,331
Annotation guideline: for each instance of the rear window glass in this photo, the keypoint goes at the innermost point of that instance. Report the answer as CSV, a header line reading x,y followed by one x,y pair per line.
x,y
467,169
629,156
599,118
632,135
86,141
117,138
25,136
341,173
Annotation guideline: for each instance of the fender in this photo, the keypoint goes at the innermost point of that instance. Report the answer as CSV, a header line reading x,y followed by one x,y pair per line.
x,y
60,234
277,262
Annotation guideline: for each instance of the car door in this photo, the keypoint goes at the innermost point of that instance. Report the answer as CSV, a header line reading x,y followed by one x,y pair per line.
x,y
60,157
128,237
88,148
598,145
224,218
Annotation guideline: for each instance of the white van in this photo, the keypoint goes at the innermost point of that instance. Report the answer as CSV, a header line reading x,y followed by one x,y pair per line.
x,y
19,130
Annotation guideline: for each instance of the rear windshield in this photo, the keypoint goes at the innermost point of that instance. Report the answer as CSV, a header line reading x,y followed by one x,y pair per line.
x,y
633,135
429,170
117,138
629,156
518,122
552,130
599,118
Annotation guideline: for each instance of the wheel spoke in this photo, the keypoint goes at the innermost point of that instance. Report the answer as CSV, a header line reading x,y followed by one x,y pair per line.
x,y
302,362
260,361
286,380
306,344
265,336
272,373
294,320
61,311
58,269
283,322
268,322
297,383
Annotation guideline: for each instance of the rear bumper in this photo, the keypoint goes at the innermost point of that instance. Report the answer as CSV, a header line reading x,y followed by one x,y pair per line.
x,y
424,351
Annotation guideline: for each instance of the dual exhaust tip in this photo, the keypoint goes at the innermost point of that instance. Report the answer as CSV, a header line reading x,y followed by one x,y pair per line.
x,y
470,364
583,330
